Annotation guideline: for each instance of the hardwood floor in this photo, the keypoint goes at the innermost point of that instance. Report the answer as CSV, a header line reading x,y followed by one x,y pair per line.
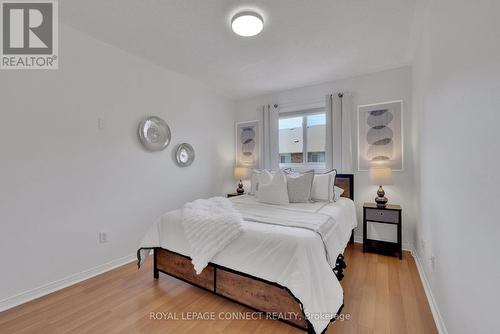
x,y
382,295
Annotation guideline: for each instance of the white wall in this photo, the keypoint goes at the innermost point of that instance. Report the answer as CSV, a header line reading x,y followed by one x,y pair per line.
x,y
62,180
456,90
378,87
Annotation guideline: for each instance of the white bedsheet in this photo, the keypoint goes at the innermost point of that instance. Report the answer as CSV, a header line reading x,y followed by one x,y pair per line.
x,y
292,257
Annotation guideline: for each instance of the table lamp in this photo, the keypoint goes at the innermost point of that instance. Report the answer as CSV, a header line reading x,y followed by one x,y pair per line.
x,y
240,173
381,176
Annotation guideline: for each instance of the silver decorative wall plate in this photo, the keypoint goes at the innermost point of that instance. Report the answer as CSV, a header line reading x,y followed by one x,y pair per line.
x,y
184,155
154,133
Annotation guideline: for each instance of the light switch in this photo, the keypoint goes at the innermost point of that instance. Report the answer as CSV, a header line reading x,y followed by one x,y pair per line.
x,y
100,123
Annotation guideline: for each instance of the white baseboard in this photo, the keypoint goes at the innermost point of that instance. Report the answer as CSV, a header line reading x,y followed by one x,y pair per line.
x,y
45,289
430,297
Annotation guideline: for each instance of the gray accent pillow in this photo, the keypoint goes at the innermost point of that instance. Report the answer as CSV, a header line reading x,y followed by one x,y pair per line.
x,y
299,186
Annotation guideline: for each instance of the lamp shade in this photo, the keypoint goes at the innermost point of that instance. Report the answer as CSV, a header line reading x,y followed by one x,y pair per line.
x,y
240,173
380,176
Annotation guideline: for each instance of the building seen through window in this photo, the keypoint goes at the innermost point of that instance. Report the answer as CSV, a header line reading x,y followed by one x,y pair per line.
x,y
302,139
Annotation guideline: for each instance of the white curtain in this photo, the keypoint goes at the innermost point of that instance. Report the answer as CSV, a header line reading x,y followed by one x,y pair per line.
x,y
270,137
339,109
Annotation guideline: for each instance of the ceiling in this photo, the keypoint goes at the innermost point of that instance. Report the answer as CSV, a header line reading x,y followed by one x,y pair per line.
x,y
303,42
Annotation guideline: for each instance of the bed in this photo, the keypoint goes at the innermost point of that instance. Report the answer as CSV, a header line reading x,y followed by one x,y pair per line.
x,y
279,270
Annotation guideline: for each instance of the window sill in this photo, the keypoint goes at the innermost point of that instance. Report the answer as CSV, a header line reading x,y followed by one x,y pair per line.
x,y
297,167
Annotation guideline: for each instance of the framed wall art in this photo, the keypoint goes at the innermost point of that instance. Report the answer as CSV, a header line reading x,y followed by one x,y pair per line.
x,y
380,135
247,144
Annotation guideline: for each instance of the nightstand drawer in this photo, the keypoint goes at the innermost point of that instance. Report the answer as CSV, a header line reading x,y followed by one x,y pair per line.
x,y
388,216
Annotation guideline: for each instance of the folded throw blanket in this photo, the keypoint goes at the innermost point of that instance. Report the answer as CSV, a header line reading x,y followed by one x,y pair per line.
x,y
317,222
209,226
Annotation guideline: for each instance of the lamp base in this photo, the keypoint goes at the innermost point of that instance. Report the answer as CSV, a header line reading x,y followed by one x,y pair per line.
x,y
240,189
381,200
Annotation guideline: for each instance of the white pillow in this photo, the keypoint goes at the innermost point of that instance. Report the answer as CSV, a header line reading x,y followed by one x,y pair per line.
x,y
274,192
337,192
254,180
257,177
322,188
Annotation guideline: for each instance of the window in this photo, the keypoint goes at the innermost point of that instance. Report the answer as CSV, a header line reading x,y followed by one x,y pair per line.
x,y
302,139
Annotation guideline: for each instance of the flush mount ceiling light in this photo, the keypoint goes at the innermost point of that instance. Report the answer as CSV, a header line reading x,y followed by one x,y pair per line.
x,y
247,24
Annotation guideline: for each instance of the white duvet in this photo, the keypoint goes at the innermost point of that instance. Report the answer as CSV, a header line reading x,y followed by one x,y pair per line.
x,y
290,256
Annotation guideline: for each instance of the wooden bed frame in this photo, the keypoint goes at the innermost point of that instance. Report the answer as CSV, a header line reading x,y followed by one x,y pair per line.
x,y
250,291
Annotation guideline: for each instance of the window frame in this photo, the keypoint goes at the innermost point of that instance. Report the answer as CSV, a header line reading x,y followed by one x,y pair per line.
x,y
304,165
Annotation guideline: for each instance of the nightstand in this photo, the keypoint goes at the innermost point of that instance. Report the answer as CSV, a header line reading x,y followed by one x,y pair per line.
x,y
233,195
391,214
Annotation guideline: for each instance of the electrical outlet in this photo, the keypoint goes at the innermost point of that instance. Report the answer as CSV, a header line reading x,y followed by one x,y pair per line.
x,y
100,123
103,237
432,258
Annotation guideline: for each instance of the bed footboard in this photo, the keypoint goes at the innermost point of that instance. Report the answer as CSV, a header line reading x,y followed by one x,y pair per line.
x,y
247,290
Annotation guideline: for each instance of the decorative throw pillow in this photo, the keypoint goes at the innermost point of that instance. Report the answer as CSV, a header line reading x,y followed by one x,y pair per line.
x,y
257,177
322,188
299,186
274,192
337,192
254,180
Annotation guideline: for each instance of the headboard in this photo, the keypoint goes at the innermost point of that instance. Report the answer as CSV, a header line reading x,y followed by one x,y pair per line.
x,y
346,182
